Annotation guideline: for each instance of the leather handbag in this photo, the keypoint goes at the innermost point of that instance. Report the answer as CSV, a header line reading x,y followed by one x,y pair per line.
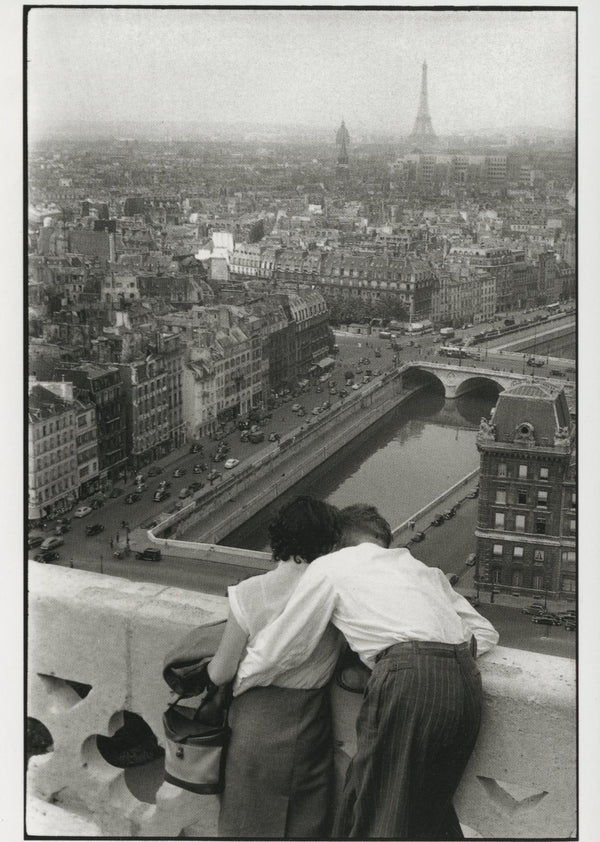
x,y
196,741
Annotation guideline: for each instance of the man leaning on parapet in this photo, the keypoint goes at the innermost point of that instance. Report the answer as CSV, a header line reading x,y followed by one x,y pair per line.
x,y
421,710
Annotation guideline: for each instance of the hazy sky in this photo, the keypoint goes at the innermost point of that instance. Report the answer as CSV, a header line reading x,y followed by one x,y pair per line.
x,y
485,69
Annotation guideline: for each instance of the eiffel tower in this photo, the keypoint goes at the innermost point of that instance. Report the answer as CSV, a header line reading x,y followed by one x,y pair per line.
x,y
422,134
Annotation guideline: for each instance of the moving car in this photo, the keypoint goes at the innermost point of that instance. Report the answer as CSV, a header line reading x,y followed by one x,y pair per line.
x,y
133,498
196,486
196,448
179,472
213,475
149,554
274,437
94,529
34,541
256,438
533,362
46,556
296,407
154,470
471,559
231,463
199,467
160,495
185,492
61,529
83,511
51,543
544,620
116,492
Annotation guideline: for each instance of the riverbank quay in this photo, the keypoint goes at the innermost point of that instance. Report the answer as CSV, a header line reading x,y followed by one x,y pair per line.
x,y
234,500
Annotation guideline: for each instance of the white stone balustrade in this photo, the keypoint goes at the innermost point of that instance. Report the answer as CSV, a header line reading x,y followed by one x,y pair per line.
x,y
111,635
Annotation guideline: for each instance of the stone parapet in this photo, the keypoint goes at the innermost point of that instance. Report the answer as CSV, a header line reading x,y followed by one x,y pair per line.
x,y
96,646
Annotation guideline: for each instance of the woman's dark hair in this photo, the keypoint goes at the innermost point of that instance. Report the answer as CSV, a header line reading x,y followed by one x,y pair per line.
x,y
358,519
304,530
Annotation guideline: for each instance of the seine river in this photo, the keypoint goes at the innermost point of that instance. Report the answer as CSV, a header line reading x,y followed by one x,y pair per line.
x,y
399,464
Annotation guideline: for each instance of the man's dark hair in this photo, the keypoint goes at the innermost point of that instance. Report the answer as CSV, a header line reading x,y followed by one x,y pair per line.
x,y
358,519
304,529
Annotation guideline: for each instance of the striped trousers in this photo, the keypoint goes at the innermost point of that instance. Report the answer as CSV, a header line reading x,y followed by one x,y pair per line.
x,y
416,730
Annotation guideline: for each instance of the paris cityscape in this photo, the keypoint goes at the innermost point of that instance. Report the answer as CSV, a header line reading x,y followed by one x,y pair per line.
x,y
224,313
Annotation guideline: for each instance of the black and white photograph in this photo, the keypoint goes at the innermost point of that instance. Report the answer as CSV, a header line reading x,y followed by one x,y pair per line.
x,y
302,335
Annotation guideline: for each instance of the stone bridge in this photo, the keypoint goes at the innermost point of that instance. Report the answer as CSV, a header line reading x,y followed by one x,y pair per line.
x,y
460,379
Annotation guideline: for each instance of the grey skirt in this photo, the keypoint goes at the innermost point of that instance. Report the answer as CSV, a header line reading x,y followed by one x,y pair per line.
x,y
279,771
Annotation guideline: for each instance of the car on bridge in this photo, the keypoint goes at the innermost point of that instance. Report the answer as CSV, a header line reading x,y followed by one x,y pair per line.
x,y
532,361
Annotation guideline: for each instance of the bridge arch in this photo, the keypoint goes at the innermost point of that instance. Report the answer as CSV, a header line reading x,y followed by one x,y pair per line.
x,y
470,384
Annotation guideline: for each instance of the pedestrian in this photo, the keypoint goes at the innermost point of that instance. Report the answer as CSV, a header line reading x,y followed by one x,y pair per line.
x,y
117,537
111,542
421,709
123,524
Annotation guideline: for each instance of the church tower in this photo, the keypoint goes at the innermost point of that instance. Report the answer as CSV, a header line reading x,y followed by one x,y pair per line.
x,y
422,134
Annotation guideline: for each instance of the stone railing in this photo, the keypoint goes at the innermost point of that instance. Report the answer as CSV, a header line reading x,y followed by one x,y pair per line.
x,y
96,646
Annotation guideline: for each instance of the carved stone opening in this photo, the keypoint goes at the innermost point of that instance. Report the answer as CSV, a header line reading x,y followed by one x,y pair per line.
x,y
38,738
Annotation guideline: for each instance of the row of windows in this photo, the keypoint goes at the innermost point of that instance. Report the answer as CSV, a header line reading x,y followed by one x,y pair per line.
x,y
522,498
540,523
523,471
538,555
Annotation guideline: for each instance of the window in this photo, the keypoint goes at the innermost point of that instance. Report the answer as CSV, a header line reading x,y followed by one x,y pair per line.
x,y
501,497
567,584
568,555
497,550
540,526
572,526
573,499
538,555
537,582
522,498
520,523
516,578
543,473
517,552
542,499
499,520
502,469
522,471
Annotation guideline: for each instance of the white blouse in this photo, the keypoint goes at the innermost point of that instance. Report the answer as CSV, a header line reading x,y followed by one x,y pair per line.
x,y
256,602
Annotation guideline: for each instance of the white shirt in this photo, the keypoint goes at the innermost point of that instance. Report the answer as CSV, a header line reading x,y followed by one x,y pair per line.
x,y
376,597
258,601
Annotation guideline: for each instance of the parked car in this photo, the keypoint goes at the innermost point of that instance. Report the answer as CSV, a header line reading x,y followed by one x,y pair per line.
x,y
83,511
473,494
438,520
179,472
343,393
133,498
196,448
213,475
316,410
34,541
199,467
536,612
149,554
471,559
256,438
544,620
61,529
274,437
325,405
185,492
301,412
450,513
165,483
532,361
52,542
219,457
94,529
160,495
47,556
355,386
418,537
115,492
139,478
295,407
196,485
231,463
154,470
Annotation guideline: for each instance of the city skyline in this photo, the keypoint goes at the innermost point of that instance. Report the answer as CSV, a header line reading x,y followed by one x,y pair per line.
x,y
488,70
